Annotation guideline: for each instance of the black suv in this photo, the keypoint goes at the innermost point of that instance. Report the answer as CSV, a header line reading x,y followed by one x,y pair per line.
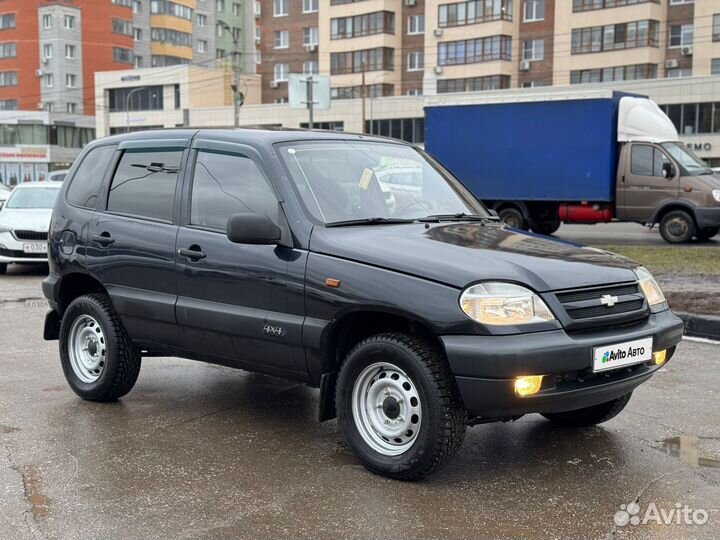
x,y
355,264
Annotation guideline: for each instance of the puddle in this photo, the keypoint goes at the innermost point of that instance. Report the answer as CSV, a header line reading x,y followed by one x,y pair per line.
x,y
686,449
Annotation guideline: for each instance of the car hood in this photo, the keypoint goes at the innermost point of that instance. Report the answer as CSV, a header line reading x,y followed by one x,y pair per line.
x,y
461,253
31,219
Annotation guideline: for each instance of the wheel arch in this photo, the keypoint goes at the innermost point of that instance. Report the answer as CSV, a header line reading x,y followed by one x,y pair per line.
x,y
669,206
73,285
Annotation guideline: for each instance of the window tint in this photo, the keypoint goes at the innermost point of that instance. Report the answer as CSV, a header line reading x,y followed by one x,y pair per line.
x,y
227,184
144,184
83,190
647,160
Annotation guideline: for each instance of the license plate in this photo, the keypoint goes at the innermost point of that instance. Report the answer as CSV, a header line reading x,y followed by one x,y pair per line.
x,y
38,247
622,354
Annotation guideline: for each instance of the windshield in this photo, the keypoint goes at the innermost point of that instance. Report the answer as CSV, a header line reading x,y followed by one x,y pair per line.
x,y
684,156
354,181
33,198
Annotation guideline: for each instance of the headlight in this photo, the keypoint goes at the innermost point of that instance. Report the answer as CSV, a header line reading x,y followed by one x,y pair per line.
x,y
497,303
716,194
649,286
5,228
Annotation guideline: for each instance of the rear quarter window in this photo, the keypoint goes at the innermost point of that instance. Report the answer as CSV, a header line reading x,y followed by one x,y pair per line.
x,y
85,184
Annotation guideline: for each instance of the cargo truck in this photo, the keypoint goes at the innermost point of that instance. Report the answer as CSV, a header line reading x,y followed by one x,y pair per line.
x,y
563,159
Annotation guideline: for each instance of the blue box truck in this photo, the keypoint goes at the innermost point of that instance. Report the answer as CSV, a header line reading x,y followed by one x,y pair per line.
x,y
563,159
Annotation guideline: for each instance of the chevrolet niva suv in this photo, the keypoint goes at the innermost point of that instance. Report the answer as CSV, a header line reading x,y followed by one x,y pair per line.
x,y
354,264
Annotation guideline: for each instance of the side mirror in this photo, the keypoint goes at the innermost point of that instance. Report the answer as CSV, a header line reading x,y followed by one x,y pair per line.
x,y
668,170
252,229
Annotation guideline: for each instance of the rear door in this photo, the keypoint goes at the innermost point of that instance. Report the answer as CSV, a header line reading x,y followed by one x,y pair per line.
x,y
642,187
239,304
131,239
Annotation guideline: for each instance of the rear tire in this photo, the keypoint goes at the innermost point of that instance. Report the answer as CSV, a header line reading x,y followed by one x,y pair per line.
x,y
99,360
547,227
590,416
706,233
3,269
398,406
677,227
513,218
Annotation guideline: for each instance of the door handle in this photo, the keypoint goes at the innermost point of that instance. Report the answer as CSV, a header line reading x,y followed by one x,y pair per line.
x,y
103,239
192,254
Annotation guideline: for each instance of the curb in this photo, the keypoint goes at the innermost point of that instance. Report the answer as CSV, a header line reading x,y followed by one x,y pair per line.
x,y
705,326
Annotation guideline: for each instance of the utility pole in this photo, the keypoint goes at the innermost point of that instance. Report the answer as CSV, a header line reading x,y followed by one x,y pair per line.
x,y
127,106
310,100
362,94
238,98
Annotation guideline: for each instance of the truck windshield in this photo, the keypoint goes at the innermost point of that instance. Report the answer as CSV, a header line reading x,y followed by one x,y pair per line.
x,y
684,156
344,182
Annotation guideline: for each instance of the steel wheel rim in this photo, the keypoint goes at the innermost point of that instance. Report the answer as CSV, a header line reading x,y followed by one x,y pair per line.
x,y
677,227
87,349
386,408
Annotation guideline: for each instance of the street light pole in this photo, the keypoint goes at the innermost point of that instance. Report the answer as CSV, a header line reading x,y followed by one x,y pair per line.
x,y
127,106
236,74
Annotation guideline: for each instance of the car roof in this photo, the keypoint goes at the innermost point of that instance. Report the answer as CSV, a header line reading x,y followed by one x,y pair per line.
x,y
261,135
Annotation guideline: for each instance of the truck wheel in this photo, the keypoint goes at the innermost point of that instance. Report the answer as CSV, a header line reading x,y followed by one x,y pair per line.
x,y
99,360
589,416
706,233
546,227
677,227
3,269
513,218
398,406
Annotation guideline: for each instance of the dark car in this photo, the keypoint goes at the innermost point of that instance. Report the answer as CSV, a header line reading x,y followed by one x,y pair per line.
x,y
415,311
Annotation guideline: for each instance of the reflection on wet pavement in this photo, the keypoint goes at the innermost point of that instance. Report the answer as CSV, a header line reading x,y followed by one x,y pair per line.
x,y
686,449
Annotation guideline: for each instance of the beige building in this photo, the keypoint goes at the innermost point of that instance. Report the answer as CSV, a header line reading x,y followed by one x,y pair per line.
x,y
162,97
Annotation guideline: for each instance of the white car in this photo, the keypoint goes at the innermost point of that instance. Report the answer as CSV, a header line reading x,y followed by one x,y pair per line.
x,y
4,193
24,223
57,176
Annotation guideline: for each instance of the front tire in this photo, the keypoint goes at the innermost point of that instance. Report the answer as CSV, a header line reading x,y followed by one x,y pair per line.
x,y
513,218
677,227
706,233
590,416
3,269
99,360
398,406
546,227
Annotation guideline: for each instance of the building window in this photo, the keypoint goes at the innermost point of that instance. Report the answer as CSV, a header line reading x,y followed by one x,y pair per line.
x,y
588,5
125,3
617,73
237,9
159,60
310,36
47,51
137,34
310,6
681,35
328,126
715,66
282,39
219,5
7,21
201,19
473,51
8,50
281,72
692,118
71,107
678,73
8,78
166,7
9,105
380,58
148,98
280,8
533,84
121,26
139,61
47,21
70,80
70,52
415,61
362,25
615,37
137,7
680,2
406,129
416,24
534,10
473,84
121,55
175,37
202,46
355,92
49,80
534,49
311,67
414,92
69,22
474,11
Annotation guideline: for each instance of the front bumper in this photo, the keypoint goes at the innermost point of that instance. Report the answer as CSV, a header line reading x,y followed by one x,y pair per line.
x,y
485,367
707,217
11,250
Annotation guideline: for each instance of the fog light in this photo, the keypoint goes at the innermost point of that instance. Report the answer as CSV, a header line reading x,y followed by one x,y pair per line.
x,y
659,357
527,386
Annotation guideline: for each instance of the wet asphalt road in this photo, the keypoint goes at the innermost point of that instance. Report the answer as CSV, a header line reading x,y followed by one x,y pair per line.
x,y
619,234
198,451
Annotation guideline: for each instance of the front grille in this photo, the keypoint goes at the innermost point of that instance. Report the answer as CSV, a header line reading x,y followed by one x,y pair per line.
x,y
17,254
585,307
35,236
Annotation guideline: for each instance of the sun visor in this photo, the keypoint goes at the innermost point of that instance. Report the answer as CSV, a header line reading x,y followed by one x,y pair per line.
x,y
640,119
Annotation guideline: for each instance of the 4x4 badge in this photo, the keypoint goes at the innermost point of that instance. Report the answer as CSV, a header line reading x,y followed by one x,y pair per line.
x,y
273,330
609,300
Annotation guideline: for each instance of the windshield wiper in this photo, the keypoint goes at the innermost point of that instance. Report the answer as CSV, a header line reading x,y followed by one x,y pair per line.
x,y
460,216
369,221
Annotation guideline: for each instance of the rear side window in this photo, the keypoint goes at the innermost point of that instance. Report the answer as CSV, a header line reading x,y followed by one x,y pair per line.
x,y
144,184
83,190
227,184
646,160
